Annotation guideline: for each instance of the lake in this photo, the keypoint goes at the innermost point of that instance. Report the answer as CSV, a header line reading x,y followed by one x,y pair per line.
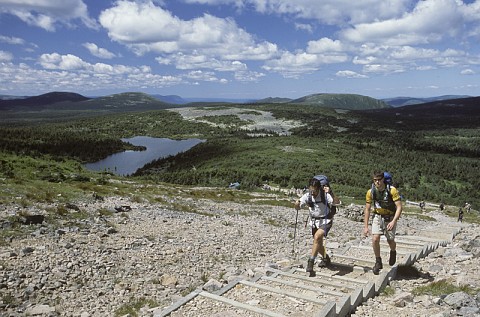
x,y
127,163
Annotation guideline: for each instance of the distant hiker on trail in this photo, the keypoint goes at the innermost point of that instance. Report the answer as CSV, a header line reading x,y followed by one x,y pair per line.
x,y
468,207
320,200
422,205
387,208
460,215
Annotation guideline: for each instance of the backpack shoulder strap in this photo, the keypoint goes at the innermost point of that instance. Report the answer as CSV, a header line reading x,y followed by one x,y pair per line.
x,y
389,190
310,200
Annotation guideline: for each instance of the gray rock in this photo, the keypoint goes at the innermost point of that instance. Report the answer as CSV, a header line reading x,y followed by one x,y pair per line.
x,y
459,299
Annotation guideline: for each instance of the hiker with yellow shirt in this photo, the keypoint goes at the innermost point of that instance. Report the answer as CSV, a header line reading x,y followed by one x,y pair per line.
x,y
387,208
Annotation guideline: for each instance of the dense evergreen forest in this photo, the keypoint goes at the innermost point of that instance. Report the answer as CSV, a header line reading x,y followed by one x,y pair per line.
x,y
432,155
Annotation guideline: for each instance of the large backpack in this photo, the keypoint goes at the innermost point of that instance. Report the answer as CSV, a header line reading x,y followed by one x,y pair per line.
x,y
331,211
388,180
322,179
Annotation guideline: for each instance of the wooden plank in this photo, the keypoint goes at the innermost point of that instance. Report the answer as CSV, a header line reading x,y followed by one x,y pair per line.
x,y
401,246
384,250
409,242
329,310
241,305
227,287
421,238
343,278
167,311
305,287
354,259
315,280
286,293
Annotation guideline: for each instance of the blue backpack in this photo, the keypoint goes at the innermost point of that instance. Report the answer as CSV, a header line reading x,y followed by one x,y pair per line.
x,y
322,179
388,180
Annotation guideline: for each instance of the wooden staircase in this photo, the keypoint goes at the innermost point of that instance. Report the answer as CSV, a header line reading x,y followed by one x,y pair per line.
x,y
333,291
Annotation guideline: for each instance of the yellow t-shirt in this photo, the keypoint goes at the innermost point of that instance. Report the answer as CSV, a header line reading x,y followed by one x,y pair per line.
x,y
384,203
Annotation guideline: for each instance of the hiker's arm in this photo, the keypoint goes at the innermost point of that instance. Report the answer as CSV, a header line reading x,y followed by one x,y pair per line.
x,y
398,213
366,217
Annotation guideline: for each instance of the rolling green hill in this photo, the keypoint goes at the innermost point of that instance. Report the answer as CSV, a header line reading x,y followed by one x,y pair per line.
x,y
406,101
341,101
37,103
274,100
128,101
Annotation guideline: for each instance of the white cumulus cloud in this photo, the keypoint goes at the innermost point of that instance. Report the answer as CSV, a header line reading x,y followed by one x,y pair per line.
x,y
145,27
98,51
467,72
5,56
46,13
349,74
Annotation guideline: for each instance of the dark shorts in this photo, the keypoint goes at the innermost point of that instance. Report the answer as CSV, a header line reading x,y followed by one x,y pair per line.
x,y
317,224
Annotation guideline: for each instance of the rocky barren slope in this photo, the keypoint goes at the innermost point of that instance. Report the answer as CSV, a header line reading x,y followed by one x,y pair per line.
x,y
138,259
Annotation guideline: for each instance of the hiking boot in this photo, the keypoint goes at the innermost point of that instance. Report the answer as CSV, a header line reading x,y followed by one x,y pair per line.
x,y
377,267
324,261
393,258
310,265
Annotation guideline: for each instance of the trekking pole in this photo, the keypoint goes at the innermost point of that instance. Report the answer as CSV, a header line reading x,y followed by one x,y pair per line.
x,y
325,228
295,232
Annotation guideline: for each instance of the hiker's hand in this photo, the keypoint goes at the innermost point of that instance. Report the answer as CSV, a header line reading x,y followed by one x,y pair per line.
x,y
366,231
296,204
391,225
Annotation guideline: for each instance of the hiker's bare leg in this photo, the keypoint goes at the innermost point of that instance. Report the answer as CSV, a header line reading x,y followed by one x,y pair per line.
x,y
318,243
376,245
392,244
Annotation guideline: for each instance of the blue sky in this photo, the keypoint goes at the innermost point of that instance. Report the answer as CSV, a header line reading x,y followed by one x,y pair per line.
x,y
241,48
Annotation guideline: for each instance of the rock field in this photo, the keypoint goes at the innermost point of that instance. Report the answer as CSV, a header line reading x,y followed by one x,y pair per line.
x,y
152,255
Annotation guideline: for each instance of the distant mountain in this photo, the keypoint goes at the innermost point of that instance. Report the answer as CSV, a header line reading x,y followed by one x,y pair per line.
x,y
127,101
39,102
341,101
405,101
75,103
274,100
218,100
136,101
455,113
173,99
452,107
177,100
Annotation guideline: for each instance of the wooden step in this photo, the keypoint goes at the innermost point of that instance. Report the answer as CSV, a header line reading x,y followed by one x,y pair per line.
x,y
340,287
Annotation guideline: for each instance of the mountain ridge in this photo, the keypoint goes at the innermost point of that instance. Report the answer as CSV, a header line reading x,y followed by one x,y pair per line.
x,y
43,100
138,101
405,101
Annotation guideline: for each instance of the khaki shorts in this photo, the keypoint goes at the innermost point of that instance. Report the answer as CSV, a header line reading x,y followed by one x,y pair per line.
x,y
379,226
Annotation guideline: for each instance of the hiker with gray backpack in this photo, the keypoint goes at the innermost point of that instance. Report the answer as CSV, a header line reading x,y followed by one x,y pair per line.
x,y
321,203
387,208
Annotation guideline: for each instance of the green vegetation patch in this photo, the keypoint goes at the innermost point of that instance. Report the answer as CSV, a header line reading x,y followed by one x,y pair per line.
x,y
134,305
443,287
